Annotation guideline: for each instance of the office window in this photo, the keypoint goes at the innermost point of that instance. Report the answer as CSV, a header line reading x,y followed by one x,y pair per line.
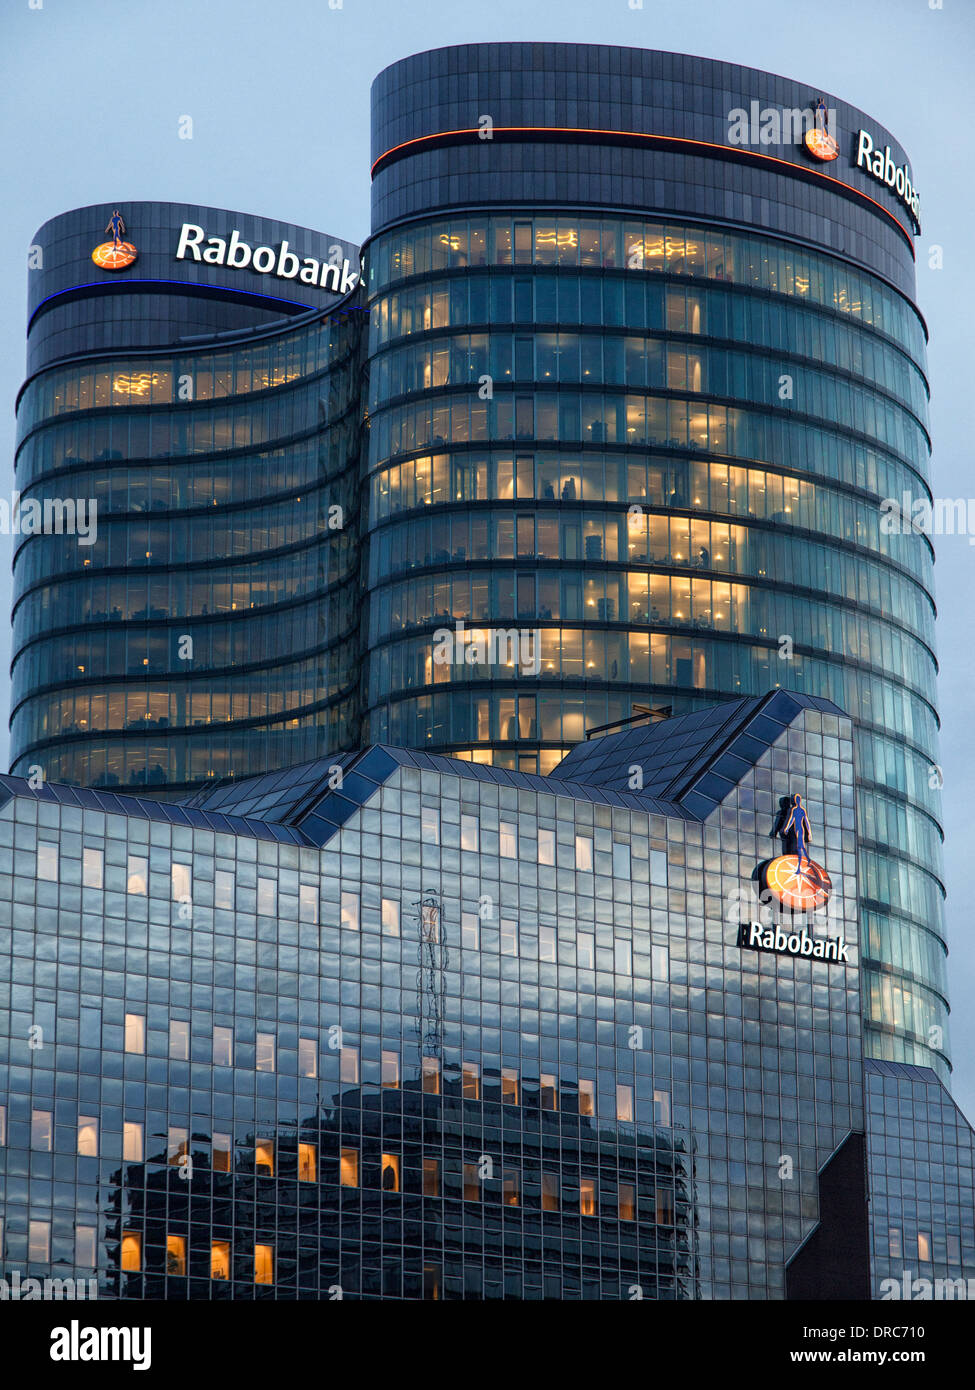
x,y
85,1246
223,1047
179,878
390,917
131,1250
550,1192
471,1081
624,1102
307,1163
661,1107
178,1144
93,868
924,1246
390,1071
42,1130
548,1094
665,1206
267,897
179,1039
509,937
429,825
470,832
222,1151
509,1086
547,943
3,1126
585,951
508,846
132,1142
350,911
894,1243
546,846
39,1242
389,1174
135,1033
587,1197
511,1187
47,861
137,875
431,1177
623,959
307,1057
954,1248
220,1259
264,1052
175,1254
659,963
621,860
472,1183
349,1167
431,1076
431,1282
470,931
627,1201
587,1097
264,1157
88,1136
308,903
584,854
223,889
263,1264
349,1065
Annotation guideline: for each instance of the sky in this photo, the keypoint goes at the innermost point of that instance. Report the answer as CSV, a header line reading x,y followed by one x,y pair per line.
x,y
93,94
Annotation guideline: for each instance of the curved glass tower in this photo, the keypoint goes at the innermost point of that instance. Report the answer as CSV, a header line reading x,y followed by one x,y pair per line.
x,y
639,382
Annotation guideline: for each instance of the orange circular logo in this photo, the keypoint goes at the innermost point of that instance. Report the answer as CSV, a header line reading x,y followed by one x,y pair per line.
x,y
821,145
797,889
108,256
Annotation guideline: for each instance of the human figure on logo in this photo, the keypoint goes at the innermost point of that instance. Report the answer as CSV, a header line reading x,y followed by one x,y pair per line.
x,y
797,823
117,228
822,117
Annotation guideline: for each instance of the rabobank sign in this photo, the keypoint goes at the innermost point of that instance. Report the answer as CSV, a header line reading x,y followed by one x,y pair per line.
x,y
280,261
755,936
879,164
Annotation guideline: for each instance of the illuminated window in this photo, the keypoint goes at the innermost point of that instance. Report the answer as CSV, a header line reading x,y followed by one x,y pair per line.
x,y
223,889
509,1086
548,1092
88,1136
349,1168
431,1076
137,875
627,1201
429,825
390,916
550,1192
389,1177
587,1197
470,836
180,890
307,903
350,911
624,1102
664,1206
264,1157
508,846
307,1163
39,1242
661,1107
307,1057
472,1183
471,1081
222,1151
223,1047
132,1142
267,897
220,1259
547,943
511,1187
47,861
584,854
264,1052
263,1264
179,1039
42,1130
470,931
349,1065
894,1243
509,937
431,1282
85,1246
546,846
131,1250
587,1097
390,1071
92,868
924,1246
623,957
178,1146
175,1254
135,1033
431,1177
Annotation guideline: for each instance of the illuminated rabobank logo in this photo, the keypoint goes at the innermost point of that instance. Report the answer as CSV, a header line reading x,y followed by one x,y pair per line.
x,y
879,164
280,261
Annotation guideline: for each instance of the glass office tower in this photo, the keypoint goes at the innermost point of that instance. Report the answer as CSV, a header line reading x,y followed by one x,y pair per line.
x,y
639,391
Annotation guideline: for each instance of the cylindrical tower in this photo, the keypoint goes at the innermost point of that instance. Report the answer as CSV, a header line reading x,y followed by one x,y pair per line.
x,y
643,368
